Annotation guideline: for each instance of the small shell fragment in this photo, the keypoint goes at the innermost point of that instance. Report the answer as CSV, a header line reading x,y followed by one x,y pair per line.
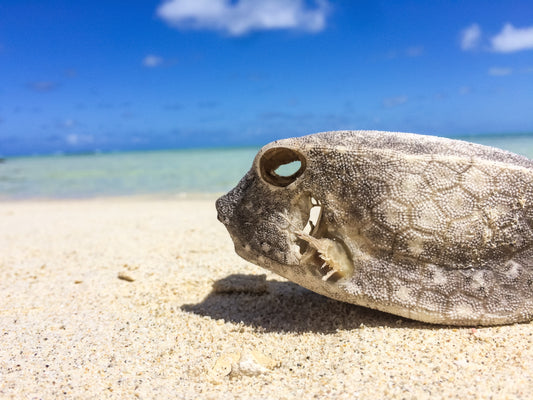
x,y
244,363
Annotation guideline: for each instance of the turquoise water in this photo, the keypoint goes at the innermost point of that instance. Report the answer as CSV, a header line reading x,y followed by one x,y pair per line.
x,y
173,172
118,174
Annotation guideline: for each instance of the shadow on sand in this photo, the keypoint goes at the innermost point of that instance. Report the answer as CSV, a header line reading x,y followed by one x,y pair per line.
x,y
287,307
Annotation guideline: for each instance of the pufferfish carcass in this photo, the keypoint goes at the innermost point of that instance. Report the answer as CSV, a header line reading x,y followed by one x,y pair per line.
x,y
428,228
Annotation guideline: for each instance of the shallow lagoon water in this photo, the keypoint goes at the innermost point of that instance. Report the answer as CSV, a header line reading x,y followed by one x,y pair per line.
x,y
119,174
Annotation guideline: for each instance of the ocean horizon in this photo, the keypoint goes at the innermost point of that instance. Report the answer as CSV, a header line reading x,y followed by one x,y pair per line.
x,y
177,172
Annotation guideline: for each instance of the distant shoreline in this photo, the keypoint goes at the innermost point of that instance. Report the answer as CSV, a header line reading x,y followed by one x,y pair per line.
x,y
134,151
469,137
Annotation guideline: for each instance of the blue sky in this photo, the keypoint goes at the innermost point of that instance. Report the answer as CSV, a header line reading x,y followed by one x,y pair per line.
x,y
113,75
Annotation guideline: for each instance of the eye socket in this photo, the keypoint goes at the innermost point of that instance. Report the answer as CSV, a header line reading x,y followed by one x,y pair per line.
x,y
281,166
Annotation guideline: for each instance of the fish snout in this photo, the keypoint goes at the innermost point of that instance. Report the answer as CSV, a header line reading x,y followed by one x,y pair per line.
x,y
224,209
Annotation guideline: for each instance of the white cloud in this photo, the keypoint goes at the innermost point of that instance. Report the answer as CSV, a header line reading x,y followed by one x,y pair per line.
x,y
239,17
470,37
512,39
152,61
74,139
395,101
499,71
509,40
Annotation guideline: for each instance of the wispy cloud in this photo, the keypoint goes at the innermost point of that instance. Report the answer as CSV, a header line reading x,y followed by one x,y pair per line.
x,y
390,102
509,40
499,71
74,139
239,17
413,51
152,61
71,73
208,104
43,86
470,37
464,90
67,124
173,106
512,39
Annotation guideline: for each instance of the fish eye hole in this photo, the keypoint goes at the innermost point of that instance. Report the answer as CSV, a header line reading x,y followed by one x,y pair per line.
x,y
281,166
289,169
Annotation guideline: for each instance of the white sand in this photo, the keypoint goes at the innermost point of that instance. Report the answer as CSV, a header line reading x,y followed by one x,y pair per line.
x,y
70,328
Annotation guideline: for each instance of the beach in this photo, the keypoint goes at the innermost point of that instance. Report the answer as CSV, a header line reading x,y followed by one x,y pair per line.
x,y
122,124
144,297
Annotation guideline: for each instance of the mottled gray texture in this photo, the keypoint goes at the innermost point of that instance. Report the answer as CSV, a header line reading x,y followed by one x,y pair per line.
x,y
428,228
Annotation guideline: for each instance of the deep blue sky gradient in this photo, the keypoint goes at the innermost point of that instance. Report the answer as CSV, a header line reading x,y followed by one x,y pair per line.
x,y
72,76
